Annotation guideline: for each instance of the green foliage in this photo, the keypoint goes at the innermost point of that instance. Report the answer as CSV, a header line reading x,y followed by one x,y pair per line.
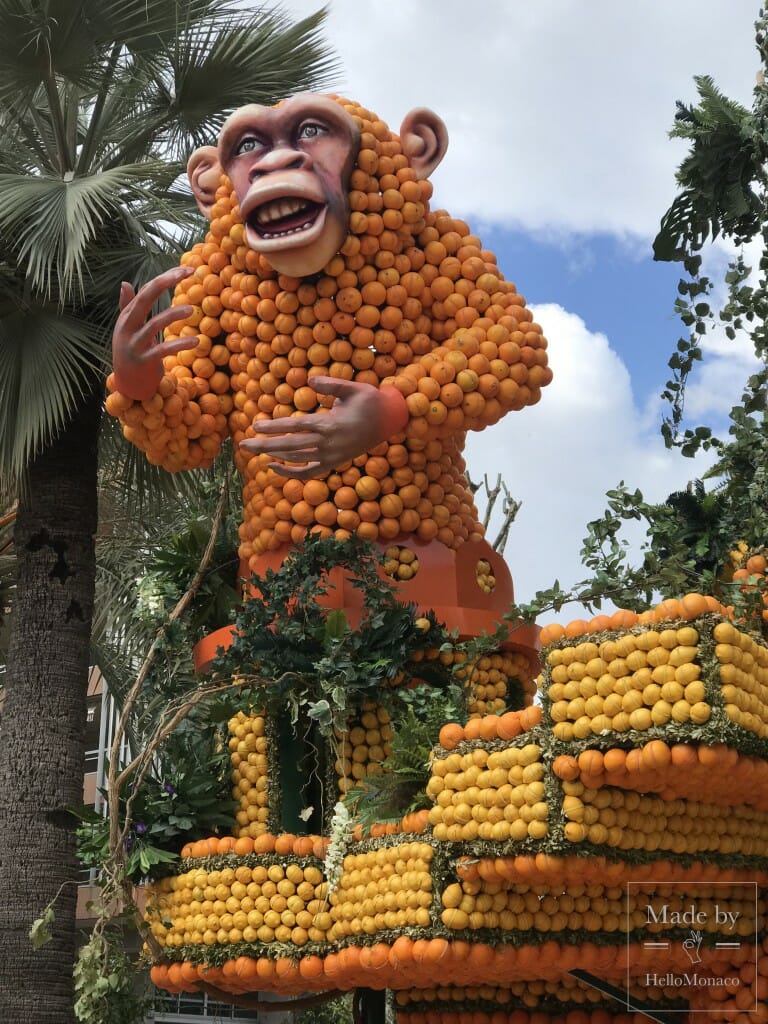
x,y
688,538
722,192
172,565
105,980
687,542
42,927
149,549
105,983
401,788
721,178
191,799
302,654
335,1011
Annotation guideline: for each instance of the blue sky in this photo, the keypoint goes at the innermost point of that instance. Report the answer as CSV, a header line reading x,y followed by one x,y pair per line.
x,y
614,286
558,113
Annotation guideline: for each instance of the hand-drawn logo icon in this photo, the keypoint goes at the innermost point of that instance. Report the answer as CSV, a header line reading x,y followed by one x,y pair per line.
x,y
692,945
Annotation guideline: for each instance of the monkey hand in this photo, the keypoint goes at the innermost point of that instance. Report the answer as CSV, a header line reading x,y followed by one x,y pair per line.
x,y
137,356
361,417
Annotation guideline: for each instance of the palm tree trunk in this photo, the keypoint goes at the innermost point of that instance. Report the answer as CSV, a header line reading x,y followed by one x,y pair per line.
x,y
43,720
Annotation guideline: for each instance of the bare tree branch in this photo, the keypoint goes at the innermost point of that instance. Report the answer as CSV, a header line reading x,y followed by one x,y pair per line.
x,y
113,785
492,497
510,507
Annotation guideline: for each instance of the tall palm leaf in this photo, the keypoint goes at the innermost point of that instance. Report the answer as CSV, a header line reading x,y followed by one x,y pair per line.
x,y
101,102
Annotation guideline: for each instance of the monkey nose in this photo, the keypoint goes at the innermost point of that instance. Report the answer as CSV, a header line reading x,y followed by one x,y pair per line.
x,y
283,159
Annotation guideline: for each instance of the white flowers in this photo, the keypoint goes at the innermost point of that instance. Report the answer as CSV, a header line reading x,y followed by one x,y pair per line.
x,y
341,832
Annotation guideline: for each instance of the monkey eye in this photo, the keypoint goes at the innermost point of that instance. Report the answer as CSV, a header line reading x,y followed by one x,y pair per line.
x,y
249,144
311,130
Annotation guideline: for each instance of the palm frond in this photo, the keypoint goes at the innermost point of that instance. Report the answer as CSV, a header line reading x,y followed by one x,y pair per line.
x,y
26,48
65,41
47,363
82,86
54,221
212,69
264,61
145,25
144,489
27,140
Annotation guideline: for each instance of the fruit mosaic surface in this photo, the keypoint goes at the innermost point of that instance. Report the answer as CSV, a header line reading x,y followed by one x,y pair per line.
x,y
412,300
619,827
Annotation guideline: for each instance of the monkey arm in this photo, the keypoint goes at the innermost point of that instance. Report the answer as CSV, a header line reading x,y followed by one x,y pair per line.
x,y
168,411
179,427
477,375
361,417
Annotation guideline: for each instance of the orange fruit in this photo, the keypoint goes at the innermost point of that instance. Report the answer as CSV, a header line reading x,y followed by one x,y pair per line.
x,y
473,405
345,497
437,413
429,387
315,492
451,735
367,488
451,395
614,760
303,513
757,564
443,372
467,380
369,512
656,754
326,514
693,605
368,531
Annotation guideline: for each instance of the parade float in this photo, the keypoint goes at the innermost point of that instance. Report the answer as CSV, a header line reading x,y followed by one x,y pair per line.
x,y
592,846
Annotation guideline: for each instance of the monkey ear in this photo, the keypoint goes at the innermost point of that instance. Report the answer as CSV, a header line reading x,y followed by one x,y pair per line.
x,y
204,173
424,139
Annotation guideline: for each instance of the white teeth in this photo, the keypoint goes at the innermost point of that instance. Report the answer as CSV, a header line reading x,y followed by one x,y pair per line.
x,y
278,209
282,234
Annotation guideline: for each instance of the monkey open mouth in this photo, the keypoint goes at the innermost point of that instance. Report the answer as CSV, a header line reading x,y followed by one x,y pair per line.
x,y
279,218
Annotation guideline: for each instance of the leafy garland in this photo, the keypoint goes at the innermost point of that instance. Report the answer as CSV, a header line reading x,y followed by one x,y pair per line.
x,y
299,655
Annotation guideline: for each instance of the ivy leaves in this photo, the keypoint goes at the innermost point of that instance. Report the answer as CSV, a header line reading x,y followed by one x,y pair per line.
x,y
42,927
306,654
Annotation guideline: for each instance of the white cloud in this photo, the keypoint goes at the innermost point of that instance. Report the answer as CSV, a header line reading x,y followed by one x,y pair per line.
x,y
560,457
558,110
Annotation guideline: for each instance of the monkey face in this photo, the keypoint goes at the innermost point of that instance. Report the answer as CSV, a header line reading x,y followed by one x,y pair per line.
x,y
290,167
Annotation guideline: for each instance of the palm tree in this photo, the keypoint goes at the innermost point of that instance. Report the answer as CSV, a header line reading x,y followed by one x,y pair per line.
x,y
101,102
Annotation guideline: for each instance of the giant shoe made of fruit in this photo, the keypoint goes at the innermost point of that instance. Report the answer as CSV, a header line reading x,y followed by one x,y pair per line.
x,y
618,829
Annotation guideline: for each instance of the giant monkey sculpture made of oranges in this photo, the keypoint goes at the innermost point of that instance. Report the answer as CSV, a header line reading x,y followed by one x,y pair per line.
x,y
582,855
327,286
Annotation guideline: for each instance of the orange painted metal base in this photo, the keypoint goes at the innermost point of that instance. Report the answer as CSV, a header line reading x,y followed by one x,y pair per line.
x,y
446,583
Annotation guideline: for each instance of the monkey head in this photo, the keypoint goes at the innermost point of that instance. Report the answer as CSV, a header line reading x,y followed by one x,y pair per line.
x,y
290,167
